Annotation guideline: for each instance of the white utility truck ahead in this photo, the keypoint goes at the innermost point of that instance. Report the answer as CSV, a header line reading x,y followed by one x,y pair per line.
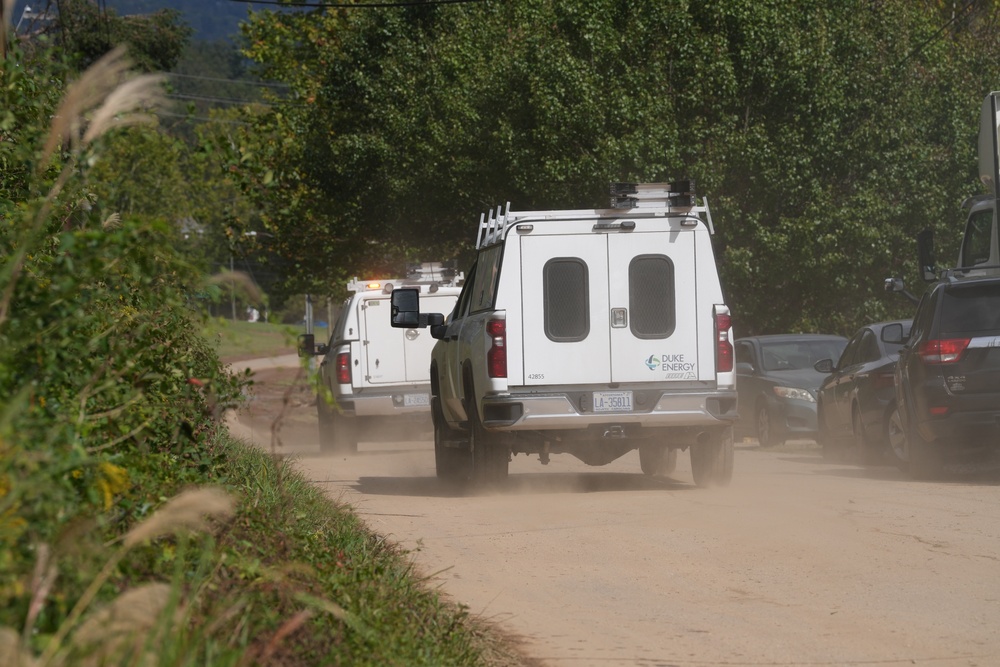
x,y
372,373
980,249
979,254
591,332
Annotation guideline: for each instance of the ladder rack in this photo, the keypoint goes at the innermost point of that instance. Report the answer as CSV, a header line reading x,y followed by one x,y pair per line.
x,y
674,199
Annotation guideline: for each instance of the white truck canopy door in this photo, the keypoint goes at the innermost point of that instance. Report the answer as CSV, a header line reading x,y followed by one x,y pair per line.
x,y
610,307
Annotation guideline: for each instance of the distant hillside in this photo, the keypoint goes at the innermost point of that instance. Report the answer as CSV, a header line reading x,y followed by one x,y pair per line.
x,y
212,20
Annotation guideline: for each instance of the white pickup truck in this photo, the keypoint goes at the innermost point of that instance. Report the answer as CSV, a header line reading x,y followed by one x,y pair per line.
x,y
591,332
372,373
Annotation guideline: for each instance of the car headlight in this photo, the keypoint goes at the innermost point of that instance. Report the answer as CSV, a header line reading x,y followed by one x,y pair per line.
x,y
794,393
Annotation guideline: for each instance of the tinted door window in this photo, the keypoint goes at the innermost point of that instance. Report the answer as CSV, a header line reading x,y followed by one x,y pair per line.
x,y
850,352
744,354
651,296
869,348
566,289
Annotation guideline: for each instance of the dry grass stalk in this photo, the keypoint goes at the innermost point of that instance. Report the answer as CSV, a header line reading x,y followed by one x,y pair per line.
x,y
119,630
287,628
113,221
187,511
107,87
13,652
42,580
119,108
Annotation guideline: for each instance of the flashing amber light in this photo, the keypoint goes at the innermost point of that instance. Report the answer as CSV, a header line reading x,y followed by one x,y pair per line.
x,y
374,285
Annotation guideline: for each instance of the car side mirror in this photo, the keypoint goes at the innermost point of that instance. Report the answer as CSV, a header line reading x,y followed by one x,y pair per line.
x,y
438,331
743,368
405,308
824,366
893,333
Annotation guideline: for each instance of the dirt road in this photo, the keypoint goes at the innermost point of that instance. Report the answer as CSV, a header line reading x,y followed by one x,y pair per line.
x,y
799,562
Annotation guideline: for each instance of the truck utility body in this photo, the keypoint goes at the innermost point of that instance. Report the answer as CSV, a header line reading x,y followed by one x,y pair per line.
x,y
372,372
980,250
591,332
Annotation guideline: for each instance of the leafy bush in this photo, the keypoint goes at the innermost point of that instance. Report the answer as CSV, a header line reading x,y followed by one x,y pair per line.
x,y
110,391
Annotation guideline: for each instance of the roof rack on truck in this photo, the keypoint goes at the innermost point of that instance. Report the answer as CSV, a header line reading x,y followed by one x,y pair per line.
x,y
432,274
676,198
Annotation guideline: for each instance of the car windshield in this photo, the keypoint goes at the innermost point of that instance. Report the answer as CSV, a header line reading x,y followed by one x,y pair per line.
x,y
971,309
798,354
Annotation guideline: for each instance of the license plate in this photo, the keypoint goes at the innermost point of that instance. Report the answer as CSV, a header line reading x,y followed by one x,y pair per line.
x,y
415,400
612,401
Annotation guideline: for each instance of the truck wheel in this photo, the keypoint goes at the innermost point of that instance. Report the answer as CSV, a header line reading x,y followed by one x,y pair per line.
x,y
657,459
451,463
490,457
712,461
337,433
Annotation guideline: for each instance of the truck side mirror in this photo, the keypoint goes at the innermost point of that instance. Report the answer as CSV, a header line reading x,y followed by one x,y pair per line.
x,y
896,285
405,311
925,255
307,345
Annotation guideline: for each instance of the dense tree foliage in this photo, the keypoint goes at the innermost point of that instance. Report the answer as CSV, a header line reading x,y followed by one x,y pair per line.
x,y
825,135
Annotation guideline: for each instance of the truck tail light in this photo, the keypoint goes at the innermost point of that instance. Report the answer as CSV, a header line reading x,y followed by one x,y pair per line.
x,y
496,358
344,368
945,351
724,348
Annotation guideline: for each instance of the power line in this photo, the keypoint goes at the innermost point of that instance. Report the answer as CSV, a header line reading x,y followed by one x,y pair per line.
x,y
218,100
221,80
937,34
184,116
360,5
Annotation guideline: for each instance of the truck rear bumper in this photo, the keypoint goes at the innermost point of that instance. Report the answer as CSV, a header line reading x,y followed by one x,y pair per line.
x,y
413,402
574,411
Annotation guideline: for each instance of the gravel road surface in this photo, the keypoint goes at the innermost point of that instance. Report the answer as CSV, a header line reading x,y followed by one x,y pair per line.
x,y
800,561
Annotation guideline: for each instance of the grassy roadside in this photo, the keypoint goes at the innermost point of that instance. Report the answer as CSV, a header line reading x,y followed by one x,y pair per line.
x,y
365,603
308,567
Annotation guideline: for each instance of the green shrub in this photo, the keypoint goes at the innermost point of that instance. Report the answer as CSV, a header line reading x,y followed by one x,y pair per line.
x,y
110,393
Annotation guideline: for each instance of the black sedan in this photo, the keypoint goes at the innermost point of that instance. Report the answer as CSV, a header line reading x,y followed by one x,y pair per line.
x,y
856,400
776,384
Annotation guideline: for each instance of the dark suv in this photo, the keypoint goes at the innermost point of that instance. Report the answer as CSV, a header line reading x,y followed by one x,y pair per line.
x,y
948,375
